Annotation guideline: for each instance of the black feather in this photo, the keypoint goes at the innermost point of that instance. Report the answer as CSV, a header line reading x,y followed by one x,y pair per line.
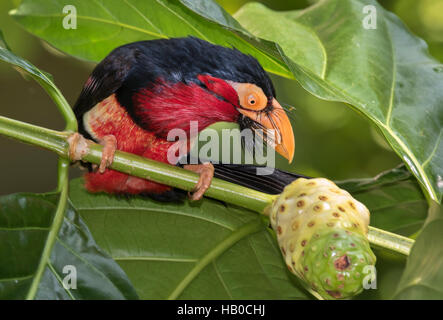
x,y
173,195
107,77
246,175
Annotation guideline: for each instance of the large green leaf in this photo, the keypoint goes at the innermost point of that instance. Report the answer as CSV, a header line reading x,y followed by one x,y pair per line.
x,y
423,276
25,224
394,199
187,251
385,73
105,25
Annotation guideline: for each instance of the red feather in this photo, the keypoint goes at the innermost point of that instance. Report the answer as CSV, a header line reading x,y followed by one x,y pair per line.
x,y
107,118
173,106
161,108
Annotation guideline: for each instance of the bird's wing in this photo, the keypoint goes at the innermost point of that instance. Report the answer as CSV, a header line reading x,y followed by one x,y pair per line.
x,y
273,182
107,77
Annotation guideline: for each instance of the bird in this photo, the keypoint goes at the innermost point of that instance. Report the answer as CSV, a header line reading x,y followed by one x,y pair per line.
x,y
142,90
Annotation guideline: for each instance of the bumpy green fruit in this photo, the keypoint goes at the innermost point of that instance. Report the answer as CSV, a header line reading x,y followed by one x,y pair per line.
x,y
322,232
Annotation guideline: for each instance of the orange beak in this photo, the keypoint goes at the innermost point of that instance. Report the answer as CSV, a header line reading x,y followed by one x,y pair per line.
x,y
276,121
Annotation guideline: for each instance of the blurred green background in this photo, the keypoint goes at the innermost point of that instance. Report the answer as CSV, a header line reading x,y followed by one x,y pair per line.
x,y
331,140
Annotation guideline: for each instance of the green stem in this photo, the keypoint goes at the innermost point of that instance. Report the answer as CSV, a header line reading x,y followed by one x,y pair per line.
x,y
61,103
56,224
388,240
183,179
46,138
171,175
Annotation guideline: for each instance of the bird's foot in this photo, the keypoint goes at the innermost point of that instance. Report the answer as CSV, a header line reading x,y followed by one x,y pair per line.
x,y
206,171
79,146
109,143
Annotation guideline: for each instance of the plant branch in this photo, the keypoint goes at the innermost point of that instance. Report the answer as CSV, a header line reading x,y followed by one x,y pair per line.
x,y
183,179
38,136
388,240
170,175
56,224
61,103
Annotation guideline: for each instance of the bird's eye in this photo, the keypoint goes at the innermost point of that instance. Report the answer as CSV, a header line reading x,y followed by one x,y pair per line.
x,y
250,96
252,100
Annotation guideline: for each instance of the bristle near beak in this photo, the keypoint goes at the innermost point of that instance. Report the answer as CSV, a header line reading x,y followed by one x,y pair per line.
x,y
277,129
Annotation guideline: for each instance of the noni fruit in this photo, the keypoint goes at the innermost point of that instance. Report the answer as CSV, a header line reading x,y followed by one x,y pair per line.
x,y
322,233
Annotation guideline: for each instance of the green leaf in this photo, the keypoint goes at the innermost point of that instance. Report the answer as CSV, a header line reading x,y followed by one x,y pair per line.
x,y
105,25
3,43
207,250
43,78
423,276
384,73
394,199
25,223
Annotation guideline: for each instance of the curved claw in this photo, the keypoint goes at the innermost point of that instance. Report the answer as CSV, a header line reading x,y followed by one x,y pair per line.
x,y
109,146
206,171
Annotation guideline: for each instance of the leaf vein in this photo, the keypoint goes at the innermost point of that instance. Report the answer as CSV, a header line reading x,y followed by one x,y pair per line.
x,y
153,258
86,262
181,18
394,77
60,281
437,143
156,210
219,276
145,18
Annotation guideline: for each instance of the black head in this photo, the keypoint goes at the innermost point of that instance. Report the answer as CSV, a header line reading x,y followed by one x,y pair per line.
x,y
183,59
